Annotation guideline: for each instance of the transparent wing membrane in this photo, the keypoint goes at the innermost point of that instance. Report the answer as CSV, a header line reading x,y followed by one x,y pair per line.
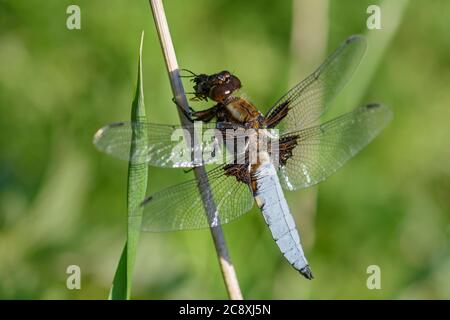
x,y
181,207
163,145
310,99
323,149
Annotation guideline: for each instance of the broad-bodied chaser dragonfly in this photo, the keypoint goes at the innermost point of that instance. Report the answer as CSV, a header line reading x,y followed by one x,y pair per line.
x,y
307,150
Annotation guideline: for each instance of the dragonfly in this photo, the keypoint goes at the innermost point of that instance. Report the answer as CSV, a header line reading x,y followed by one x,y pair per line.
x,y
308,150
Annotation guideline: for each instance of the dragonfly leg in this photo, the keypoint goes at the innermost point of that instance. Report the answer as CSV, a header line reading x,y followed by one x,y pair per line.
x,y
188,114
202,115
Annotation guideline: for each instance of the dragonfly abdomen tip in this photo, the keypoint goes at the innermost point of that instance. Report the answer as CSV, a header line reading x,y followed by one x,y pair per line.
x,y
306,272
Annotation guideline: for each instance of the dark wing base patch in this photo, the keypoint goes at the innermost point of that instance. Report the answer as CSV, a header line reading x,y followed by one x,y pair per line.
x,y
239,171
287,145
278,114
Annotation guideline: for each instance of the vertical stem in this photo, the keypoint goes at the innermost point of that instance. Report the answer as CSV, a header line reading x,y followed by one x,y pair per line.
x,y
227,268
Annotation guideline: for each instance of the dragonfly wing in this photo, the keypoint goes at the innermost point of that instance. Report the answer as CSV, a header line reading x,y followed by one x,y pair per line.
x,y
320,150
180,207
162,145
306,102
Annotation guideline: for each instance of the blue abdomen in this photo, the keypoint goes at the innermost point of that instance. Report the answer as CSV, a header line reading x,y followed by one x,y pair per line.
x,y
270,198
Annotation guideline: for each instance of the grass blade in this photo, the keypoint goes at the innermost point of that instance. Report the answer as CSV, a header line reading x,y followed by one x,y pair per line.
x,y
136,189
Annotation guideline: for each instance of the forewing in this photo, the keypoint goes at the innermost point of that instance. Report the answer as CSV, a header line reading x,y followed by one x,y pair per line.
x,y
162,145
323,149
181,207
310,99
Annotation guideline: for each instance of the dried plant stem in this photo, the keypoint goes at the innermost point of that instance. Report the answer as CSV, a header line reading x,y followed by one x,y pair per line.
x,y
227,268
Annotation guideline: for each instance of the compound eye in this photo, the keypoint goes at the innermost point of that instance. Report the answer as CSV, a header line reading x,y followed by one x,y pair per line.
x,y
220,92
235,82
224,76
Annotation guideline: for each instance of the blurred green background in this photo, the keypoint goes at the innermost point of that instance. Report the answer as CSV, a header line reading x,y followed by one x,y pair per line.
x,y
63,203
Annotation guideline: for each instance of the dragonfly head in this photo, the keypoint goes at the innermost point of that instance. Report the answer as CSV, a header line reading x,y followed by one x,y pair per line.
x,y
216,87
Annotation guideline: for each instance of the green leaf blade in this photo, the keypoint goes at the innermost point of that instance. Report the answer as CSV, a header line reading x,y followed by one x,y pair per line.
x,y
136,189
